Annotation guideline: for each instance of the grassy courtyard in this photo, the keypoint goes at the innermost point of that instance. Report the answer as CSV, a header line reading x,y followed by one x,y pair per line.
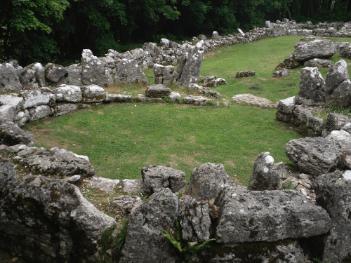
x,y
120,139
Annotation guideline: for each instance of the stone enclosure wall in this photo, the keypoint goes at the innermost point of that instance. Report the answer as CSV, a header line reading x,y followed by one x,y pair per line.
x,y
285,215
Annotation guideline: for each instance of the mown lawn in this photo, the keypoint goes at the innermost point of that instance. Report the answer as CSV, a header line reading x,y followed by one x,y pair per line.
x,y
120,139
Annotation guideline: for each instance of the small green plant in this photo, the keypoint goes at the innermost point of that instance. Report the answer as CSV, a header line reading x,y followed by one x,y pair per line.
x,y
186,250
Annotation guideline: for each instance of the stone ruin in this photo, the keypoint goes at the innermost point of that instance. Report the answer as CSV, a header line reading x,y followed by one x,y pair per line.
x,y
286,214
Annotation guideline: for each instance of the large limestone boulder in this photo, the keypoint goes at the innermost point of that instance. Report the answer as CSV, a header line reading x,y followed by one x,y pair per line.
x,y
68,93
9,79
93,94
157,91
48,220
265,216
334,194
40,112
195,219
129,71
145,241
315,156
312,85
318,48
55,74
336,75
336,121
341,95
266,174
9,104
207,181
35,98
33,76
154,178
93,69
189,65
55,162
74,76
11,134
164,74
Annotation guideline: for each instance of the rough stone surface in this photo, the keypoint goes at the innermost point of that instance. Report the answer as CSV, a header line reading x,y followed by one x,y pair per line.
x,y
207,181
315,156
157,91
9,80
11,134
312,85
55,74
93,94
212,81
32,76
336,121
341,95
336,75
74,76
318,48
93,69
281,73
249,99
245,74
47,220
266,174
194,219
36,98
154,178
189,65
68,93
164,74
55,162
319,63
334,194
255,216
344,50
144,241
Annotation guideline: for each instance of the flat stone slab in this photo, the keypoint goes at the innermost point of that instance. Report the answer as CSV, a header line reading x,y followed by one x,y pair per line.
x,y
252,100
256,216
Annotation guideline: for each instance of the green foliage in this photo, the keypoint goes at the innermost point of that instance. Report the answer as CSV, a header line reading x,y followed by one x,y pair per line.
x,y
186,250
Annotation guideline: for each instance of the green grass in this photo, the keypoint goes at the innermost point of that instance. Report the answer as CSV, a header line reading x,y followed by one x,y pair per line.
x,y
121,139
261,56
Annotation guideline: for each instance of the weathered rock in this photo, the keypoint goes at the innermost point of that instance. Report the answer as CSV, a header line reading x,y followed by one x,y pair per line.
x,y
33,76
336,75
319,63
207,181
11,134
125,204
128,71
9,105
65,108
286,105
315,156
318,48
175,96
53,162
194,219
74,75
93,69
154,178
344,50
288,63
336,121
341,95
287,252
189,65
212,81
22,117
266,175
93,94
281,73
145,241
252,100
342,138
312,86
164,74
9,80
68,93
266,216
334,194
48,220
245,74
36,98
40,112
157,91
55,74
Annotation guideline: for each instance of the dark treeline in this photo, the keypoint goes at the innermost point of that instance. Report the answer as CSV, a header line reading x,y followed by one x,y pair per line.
x,y
43,30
